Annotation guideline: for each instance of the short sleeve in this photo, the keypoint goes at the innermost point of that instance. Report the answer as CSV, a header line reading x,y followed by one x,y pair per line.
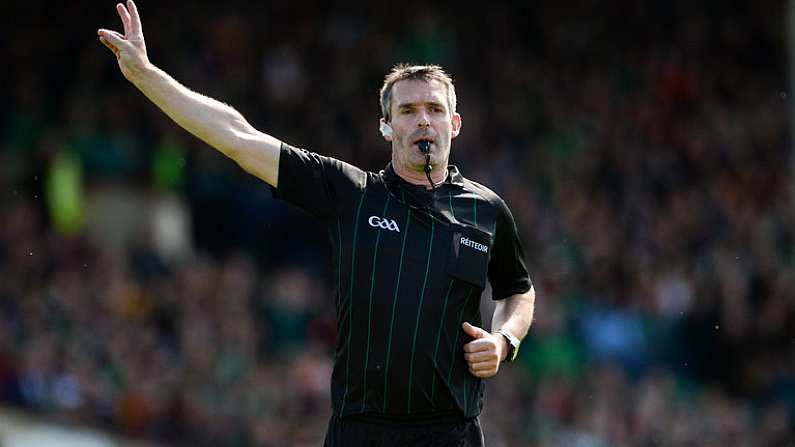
x,y
507,268
315,183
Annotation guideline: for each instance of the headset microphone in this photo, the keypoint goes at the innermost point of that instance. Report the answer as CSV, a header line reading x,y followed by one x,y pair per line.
x,y
386,129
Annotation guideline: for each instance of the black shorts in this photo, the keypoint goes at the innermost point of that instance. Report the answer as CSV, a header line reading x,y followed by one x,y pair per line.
x,y
354,432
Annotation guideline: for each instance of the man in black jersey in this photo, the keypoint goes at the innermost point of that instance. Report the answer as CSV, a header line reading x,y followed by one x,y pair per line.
x,y
414,246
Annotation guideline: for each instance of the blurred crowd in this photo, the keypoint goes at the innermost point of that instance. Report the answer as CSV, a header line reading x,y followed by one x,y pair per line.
x,y
150,287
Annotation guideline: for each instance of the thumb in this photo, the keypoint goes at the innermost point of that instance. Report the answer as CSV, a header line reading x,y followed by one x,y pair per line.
x,y
474,331
114,38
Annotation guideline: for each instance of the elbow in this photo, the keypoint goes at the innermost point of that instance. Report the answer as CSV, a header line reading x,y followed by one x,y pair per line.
x,y
232,145
237,139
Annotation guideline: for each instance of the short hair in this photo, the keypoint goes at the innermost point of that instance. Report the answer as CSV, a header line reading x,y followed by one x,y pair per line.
x,y
427,73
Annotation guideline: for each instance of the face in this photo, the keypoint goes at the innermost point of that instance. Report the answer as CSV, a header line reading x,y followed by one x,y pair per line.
x,y
419,112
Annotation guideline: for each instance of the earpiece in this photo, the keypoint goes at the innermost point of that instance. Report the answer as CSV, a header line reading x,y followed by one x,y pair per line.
x,y
386,129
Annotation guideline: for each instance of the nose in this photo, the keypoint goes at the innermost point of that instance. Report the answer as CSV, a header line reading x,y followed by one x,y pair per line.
x,y
422,120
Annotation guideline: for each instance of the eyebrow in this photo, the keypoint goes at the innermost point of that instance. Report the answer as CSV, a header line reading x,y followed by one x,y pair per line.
x,y
414,104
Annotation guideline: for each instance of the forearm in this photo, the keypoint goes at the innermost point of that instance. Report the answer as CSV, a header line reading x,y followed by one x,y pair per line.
x,y
212,121
514,314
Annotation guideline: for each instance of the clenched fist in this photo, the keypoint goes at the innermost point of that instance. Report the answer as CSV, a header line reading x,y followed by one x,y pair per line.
x,y
485,352
130,49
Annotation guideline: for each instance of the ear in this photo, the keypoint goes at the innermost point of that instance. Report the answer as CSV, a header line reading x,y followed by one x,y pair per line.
x,y
456,121
386,129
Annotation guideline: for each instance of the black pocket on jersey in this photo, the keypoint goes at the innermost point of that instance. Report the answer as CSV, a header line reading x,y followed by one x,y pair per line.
x,y
470,250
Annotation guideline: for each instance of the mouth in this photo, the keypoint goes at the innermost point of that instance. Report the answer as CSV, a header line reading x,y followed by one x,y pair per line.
x,y
423,140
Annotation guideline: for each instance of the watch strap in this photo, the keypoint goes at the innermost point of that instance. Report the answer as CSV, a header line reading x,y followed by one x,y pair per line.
x,y
513,342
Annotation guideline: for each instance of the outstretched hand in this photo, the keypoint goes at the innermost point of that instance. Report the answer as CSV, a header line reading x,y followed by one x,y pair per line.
x,y
484,353
129,48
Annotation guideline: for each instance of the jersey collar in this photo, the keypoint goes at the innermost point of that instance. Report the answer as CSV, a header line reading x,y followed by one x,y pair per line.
x,y
454,176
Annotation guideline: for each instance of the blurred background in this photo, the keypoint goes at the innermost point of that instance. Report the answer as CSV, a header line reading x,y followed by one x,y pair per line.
x,y
152,290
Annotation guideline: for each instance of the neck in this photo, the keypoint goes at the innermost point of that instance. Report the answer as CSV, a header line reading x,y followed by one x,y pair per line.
x,y
419,177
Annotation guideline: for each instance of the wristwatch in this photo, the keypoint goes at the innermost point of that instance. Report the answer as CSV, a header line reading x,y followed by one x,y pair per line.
x,y
513,342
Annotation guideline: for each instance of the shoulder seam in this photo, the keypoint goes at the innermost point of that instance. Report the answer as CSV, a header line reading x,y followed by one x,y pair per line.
x,y
483,192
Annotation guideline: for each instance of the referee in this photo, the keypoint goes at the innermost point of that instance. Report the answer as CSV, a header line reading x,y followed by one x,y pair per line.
x,y
413,247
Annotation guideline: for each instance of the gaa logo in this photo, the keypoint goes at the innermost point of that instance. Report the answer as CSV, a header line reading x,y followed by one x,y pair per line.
x,y
385,224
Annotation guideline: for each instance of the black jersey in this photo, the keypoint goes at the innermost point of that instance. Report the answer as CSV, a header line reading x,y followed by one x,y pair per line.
x,y
410,266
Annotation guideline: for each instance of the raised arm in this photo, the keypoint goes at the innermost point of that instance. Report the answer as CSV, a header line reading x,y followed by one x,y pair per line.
x,y
214,122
